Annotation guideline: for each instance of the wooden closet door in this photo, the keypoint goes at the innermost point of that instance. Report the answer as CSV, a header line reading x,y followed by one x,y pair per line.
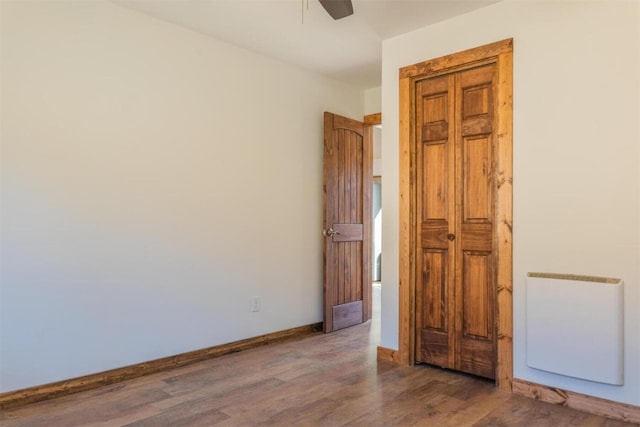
x,y
455,277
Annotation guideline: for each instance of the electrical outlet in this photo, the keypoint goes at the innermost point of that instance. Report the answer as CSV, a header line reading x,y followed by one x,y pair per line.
x,y
255,303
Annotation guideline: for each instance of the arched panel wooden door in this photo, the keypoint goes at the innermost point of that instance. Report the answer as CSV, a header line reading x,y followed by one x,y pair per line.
x,y
347,187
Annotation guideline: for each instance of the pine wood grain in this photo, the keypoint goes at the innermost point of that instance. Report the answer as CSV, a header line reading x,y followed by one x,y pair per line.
x,y
406,282
499,53
465,59
504,213
387,355
373,119
578,401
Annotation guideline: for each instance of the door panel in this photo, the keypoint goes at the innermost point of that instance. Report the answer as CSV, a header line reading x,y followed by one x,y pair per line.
x,y
348,181
476,296
347,314
476,167
475,193
434,176
433,343
434,270
347,233
455,280
435,158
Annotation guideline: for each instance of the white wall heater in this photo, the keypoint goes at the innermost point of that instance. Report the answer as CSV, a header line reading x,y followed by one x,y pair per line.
x,y
575,326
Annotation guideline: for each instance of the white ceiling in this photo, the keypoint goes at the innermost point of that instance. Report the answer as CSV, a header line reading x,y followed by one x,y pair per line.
x,y
300,32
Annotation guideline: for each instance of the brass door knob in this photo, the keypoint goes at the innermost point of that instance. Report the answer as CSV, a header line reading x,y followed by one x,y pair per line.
x,y
451,236
330,232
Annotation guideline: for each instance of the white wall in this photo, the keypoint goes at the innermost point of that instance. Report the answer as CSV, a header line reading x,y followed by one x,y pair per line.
x,y
576,154
153,181
372,100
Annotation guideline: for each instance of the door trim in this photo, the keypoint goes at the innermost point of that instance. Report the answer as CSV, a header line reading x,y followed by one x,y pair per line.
x,y
370,121
500,53
373,119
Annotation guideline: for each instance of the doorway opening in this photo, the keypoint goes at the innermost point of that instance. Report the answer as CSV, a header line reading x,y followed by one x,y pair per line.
x,y
376,241
375,122
376,221
348,220
376,197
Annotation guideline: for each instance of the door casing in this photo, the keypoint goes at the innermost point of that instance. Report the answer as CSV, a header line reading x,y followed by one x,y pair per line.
x,y
500,53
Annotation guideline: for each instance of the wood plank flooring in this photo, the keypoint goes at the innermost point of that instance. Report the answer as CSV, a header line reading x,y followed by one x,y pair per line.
x,y
320,380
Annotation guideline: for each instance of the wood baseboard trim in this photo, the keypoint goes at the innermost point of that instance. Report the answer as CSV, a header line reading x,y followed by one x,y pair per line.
x,y
387,355
581,402
13,399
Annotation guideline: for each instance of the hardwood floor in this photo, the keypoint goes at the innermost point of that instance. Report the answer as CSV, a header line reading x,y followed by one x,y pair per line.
x,y
320,380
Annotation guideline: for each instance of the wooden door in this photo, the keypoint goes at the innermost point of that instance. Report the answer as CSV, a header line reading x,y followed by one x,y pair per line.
x,y
348,181
455,260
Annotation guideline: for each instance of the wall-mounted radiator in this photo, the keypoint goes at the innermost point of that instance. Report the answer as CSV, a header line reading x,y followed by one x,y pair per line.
x,y
575,326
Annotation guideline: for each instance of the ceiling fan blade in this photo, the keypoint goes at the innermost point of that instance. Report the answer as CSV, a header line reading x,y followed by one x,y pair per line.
x,y
338,9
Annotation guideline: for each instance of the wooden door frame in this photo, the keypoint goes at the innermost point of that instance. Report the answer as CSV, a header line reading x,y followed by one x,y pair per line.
x,y
501,54
370,120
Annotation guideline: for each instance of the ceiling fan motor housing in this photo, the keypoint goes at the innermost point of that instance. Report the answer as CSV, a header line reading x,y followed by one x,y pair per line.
x,y
338,9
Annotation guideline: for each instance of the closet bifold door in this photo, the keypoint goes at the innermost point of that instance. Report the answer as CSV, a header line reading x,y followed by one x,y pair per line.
x,y
455,271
